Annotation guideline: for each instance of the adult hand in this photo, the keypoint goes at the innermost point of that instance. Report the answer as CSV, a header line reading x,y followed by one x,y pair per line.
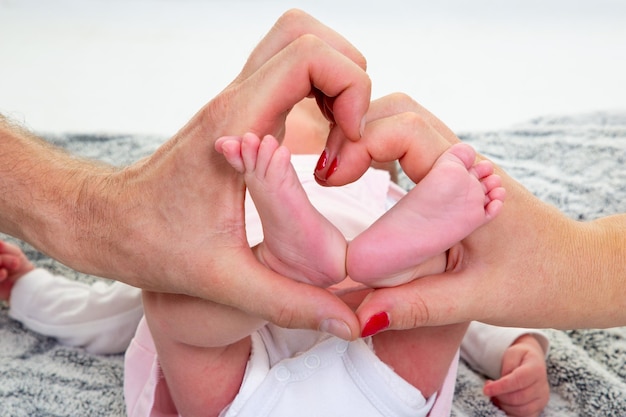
x,y
396,128
174,221
530,267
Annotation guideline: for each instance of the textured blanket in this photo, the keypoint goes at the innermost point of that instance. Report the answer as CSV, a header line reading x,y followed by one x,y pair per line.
x,y
575,163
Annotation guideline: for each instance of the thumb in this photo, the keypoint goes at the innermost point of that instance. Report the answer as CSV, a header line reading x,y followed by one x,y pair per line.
x,y
430,301
495,388
507,383
292,304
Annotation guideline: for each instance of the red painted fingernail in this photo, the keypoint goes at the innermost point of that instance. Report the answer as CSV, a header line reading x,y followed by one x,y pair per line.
x,y
332,168
321,163
375,324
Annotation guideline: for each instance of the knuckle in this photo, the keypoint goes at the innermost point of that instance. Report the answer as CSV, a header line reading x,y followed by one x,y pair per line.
x,y
415,121
307,42
291,24
292,17
402,99
285,317
419,313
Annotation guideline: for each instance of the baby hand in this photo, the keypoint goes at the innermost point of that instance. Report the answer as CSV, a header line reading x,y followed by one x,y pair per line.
x,y
523,388
13,265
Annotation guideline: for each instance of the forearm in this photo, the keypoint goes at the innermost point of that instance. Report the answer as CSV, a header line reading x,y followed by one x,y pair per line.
x,y
559,272
600,265
46,192
99,317
583,265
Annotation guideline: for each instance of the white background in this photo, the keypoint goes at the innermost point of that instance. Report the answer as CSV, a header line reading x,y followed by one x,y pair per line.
x,y
146,66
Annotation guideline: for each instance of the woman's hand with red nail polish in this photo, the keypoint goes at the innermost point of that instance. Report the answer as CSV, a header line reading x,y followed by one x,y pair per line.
x,y
376,323
395,127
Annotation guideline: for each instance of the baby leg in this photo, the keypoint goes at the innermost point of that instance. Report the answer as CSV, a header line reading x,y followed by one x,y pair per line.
x,y
455,198
202,348
298,241
421,356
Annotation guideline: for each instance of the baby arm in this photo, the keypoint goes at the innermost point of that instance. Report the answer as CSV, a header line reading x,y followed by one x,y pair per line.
x,y
13,266
99,317
514,362
523,388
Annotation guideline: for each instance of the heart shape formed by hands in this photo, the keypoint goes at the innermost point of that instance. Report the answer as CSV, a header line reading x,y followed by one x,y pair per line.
x,y
343,238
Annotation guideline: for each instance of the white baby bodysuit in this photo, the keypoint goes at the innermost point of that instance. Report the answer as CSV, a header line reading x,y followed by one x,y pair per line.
x,y
321,375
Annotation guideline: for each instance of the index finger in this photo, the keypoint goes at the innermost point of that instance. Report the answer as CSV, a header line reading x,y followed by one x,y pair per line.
x,y
289,27
261,102
398,128
429,301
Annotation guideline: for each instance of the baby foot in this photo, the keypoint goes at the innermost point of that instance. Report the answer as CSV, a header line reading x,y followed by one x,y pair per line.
x,y
298,241
455,198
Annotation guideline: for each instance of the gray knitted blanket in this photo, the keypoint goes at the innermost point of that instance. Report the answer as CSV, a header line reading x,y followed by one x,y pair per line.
x,y
575,163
